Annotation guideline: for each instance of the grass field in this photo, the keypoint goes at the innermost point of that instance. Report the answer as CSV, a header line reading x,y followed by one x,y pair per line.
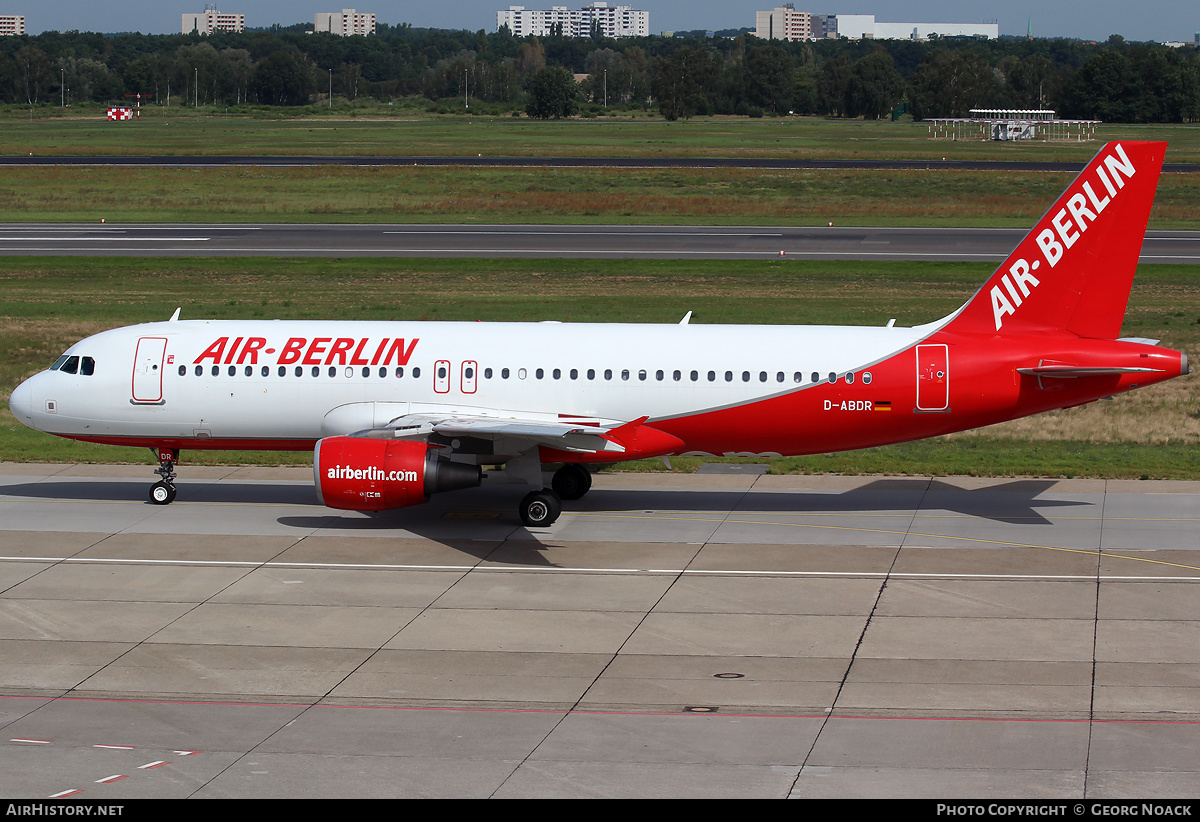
x,y
50,303
580,195
575,195
186,131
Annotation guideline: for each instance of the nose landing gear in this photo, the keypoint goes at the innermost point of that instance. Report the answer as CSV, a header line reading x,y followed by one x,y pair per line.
x,y
163,491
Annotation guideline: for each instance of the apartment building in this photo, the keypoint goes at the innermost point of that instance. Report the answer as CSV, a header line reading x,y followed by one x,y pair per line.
x,y
12,24
345,23
613,21
210,20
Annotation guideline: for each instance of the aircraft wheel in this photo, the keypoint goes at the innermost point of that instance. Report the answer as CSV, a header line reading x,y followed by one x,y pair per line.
x,y
540,508
571,481
162,493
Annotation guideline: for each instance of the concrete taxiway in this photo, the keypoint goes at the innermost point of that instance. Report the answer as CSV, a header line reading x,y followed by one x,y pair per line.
x,y
714,634
542,241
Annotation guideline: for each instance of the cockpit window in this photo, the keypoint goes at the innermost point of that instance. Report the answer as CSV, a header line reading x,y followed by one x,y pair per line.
x,y
75,364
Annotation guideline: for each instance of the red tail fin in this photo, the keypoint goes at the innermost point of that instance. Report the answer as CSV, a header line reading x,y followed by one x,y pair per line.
x,y
1073,271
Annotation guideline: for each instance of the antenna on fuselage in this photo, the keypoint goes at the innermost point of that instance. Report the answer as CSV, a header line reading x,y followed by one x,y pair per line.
x,y
685,319
175,316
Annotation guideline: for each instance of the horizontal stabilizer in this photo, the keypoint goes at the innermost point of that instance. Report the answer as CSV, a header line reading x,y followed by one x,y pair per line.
x,y
1077,371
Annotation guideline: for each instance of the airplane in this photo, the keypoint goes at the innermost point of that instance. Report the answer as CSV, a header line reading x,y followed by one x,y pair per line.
x,y
397,411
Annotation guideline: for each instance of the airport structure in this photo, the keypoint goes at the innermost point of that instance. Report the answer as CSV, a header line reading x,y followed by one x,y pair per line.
x,y
210,20
12,24
785,23
612,21
345,23
1011,124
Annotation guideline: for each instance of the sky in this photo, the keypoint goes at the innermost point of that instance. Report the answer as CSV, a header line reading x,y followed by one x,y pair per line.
x,y
1159,20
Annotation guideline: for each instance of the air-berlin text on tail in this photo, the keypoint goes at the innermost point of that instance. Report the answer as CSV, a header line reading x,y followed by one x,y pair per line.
x,y
311,351
1083,206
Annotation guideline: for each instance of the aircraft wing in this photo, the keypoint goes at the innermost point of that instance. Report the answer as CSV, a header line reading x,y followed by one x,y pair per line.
x,y
572,437
555,440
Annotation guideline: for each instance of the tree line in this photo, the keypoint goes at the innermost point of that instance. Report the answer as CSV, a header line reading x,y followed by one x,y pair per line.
x,y
679,77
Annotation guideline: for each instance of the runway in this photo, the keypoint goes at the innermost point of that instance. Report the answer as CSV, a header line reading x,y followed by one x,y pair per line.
x,y
542,241
704,635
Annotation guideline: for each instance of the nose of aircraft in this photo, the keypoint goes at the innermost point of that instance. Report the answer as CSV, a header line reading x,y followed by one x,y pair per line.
x,y
21,402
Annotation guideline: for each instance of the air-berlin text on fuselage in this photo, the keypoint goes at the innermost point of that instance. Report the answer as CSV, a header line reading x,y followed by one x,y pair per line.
x,y
1069,223
311,351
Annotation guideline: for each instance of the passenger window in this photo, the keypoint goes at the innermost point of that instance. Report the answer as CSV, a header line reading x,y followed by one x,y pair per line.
x,y
833,376
558,373
316,372
866,378
182,370
779,377
642,375
712,376
487,373
574,373
199,370
416,372
608,373
591,373
266,370
624,373
366,371
695,375
216,370
745,376
283,370
504,373
250,371
678,376
232,370
850,377
299,371
399,371
816,377
539,373
728,376
797,377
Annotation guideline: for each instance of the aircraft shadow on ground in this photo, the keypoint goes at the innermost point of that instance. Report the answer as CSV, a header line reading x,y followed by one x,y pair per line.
x,y
482,523
1017,502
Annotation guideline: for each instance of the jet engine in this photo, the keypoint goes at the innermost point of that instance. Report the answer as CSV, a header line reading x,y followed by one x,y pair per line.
x,y
368,474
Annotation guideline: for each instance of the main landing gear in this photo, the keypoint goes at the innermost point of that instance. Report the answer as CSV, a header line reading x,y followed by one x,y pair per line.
x,y
163,491
542,507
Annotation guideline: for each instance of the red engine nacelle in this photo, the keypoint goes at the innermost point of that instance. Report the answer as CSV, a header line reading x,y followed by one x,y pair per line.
x,y
365,474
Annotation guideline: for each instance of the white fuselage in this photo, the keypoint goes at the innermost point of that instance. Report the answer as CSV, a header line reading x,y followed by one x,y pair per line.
x,y
280,380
